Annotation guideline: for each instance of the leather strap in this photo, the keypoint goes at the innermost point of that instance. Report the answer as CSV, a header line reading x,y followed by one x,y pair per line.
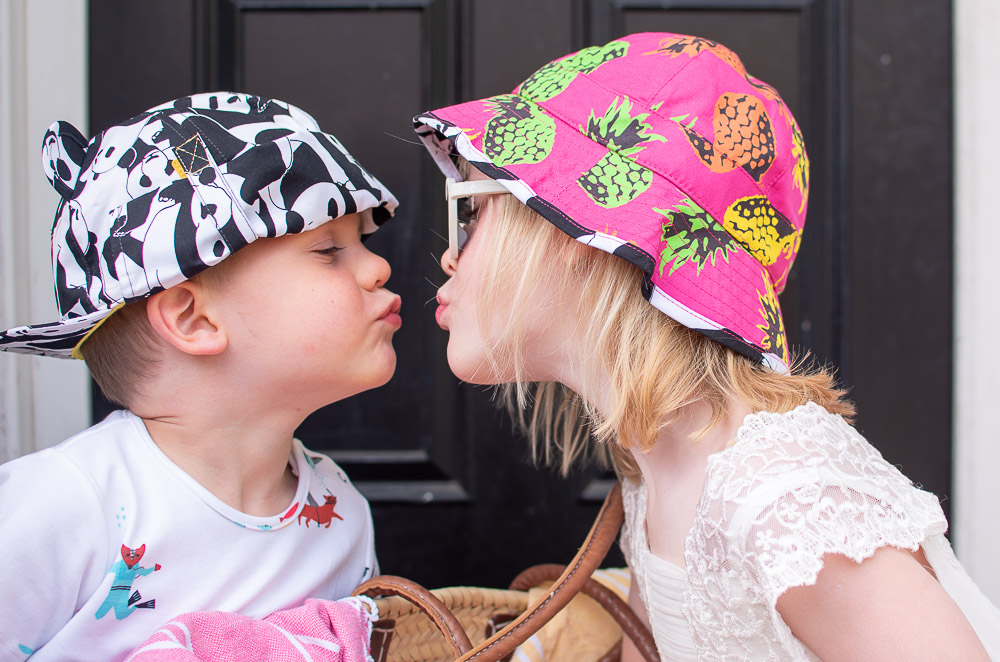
x,y
602,535
428,603
630,624
572,579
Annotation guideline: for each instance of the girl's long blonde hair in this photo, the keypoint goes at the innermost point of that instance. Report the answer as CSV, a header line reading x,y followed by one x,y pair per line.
x,y
653,365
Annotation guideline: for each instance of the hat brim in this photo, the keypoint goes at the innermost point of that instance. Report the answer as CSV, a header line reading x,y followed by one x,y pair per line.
x,y
726,295
57,339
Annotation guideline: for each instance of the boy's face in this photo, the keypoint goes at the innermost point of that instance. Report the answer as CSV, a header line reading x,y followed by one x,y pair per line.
x,y
308,317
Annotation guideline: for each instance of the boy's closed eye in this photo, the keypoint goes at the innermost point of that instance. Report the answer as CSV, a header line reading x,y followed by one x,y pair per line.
x,y
329,251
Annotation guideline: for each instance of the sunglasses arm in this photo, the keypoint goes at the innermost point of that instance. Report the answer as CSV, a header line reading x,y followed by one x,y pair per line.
x,y
453,191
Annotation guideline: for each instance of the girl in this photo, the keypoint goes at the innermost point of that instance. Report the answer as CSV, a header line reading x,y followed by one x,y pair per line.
x,y
759,525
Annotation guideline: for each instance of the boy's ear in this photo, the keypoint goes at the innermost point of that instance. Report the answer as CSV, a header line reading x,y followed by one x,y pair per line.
x,y
179,315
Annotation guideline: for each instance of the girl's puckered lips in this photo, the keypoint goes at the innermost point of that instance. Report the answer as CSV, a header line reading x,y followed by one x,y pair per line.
x,y
391,314
439,313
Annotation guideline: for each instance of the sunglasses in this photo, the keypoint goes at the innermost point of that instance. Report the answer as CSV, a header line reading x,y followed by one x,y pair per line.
x,y
460,225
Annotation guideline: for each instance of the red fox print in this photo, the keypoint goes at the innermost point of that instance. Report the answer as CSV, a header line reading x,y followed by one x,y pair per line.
x,y
320,514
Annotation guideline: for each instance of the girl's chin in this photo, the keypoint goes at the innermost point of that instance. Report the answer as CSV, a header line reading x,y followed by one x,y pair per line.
x,y
472,376
472,372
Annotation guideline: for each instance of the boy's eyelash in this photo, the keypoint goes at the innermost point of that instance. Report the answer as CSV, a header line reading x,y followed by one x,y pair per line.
x,y
331,251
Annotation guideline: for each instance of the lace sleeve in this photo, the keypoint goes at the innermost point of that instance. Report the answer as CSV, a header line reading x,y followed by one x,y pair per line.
x,y
824,490
789,537
797,486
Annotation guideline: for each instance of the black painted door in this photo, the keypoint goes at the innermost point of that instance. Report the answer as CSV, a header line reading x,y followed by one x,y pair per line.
x,y
454,497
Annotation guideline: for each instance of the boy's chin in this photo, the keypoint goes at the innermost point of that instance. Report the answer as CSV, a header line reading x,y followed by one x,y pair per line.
x,y
372,380
385,374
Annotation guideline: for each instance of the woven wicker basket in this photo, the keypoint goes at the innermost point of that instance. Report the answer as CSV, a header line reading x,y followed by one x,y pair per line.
x,y
481,611
476,624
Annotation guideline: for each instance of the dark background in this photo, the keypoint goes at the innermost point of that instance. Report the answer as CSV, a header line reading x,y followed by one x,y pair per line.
x,y
454,498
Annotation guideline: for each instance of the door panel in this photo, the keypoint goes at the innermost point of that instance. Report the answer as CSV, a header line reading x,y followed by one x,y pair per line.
x,y
454,496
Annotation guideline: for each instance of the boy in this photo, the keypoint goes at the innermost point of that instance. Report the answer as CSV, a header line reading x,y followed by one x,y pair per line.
x,y
209,268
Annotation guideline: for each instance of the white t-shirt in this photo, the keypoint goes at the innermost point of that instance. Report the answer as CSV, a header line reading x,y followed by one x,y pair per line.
x,y
104,540
793,487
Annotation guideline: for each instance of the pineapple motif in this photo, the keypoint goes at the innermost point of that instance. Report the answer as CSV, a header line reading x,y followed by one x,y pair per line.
x,y
801,167
518,133
762,229
616,179
674,46
771,324
692,235
743,136
555,77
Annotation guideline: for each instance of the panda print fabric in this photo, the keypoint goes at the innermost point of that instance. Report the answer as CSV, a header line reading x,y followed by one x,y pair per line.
x,y
155,200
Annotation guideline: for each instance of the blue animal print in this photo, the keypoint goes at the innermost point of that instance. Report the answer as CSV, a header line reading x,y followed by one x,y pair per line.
x,y
125,571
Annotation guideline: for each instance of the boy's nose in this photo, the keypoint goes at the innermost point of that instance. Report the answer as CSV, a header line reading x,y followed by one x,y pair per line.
x,y
378,271
448,264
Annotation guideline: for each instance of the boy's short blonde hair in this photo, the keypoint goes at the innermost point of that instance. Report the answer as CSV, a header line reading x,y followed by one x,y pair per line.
x,y
124,350
654,365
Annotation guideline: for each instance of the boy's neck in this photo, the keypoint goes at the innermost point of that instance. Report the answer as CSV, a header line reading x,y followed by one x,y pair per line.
x,y
242,460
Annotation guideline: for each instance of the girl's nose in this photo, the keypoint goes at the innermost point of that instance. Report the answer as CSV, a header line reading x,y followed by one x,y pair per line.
x,y
448,264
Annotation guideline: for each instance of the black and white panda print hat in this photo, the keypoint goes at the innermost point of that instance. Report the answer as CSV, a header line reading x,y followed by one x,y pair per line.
x,y
153,201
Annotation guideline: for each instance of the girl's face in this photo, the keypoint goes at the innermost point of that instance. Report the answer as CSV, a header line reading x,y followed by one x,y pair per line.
x,y
458,311
473,333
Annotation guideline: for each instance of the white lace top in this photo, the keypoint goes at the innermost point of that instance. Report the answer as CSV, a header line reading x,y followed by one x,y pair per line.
x,y
793,487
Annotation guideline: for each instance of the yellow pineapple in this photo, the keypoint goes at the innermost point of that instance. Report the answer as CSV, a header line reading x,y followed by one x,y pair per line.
x,y
761,228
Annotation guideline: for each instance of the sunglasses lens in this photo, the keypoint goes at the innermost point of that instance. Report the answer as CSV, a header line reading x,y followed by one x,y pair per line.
x,y
462,209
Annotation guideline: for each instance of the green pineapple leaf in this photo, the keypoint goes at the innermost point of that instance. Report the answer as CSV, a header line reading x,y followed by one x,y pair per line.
x,y
619,130
680,120
692,235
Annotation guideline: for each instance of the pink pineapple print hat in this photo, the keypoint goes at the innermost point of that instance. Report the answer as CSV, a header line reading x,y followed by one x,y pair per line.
x,y
661,149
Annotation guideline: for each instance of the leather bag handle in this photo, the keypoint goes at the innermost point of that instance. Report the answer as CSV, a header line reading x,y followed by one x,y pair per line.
x,y
630,624
573,578
430,604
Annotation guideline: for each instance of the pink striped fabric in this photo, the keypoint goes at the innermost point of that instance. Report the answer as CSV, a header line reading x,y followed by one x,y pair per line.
x,y
319,630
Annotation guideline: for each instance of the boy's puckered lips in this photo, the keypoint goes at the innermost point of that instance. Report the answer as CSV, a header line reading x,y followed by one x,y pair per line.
x,y
391,314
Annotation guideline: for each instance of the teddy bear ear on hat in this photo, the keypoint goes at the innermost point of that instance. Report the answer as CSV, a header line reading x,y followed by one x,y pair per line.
x,y
64,150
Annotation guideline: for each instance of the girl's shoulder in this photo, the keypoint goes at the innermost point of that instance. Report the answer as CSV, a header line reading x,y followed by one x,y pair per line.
x,y
801,484
807,444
